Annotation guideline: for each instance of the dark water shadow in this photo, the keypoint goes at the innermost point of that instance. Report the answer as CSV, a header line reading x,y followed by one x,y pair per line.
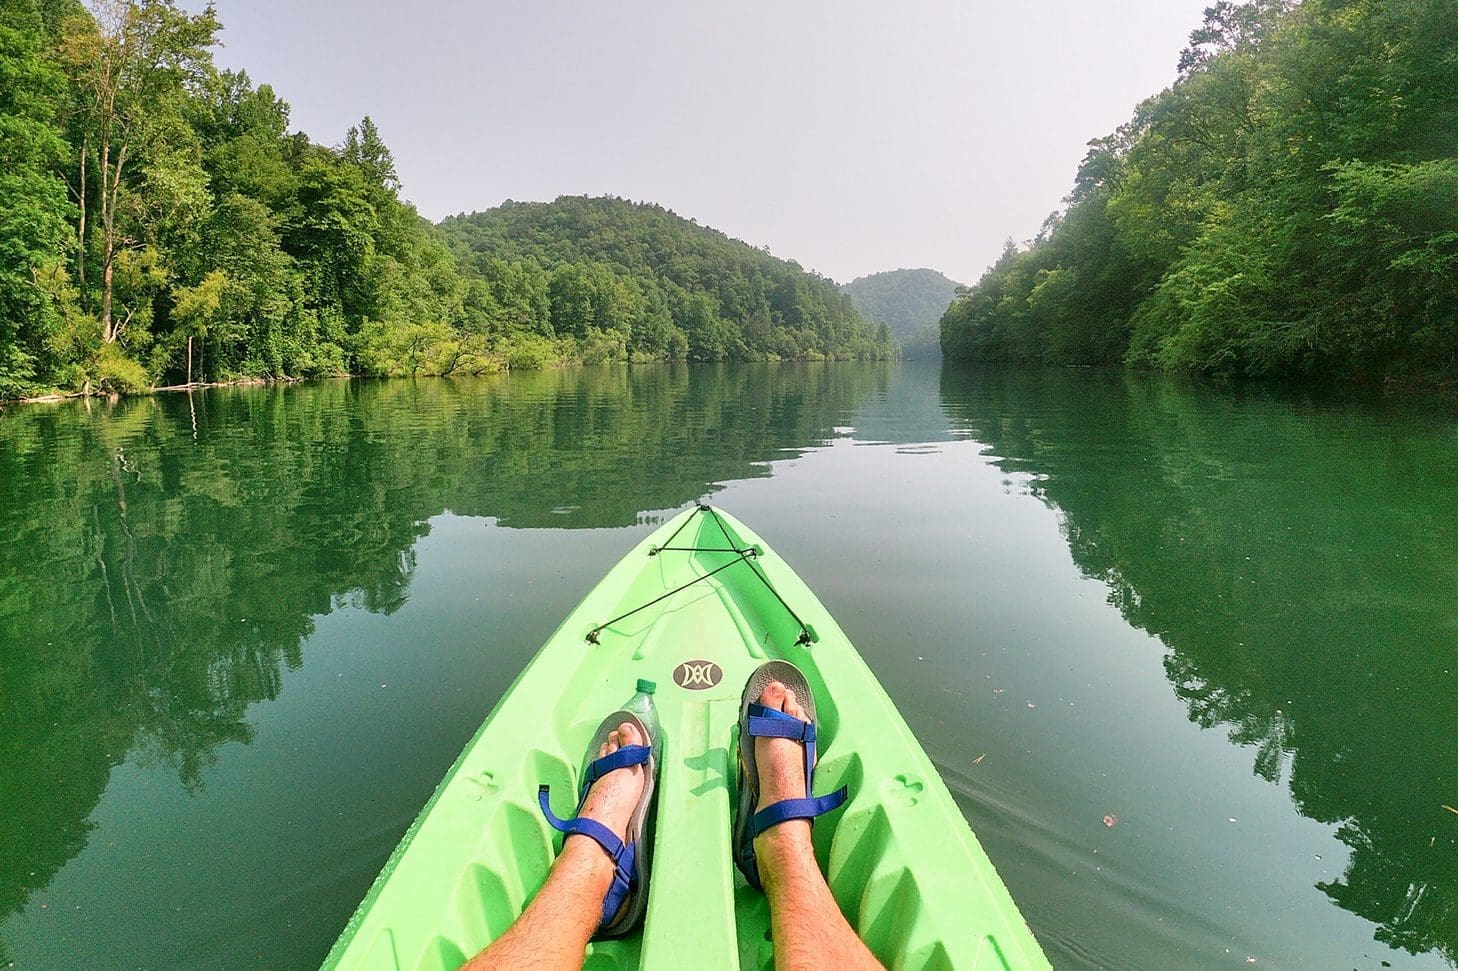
x,y
164,559
1296,554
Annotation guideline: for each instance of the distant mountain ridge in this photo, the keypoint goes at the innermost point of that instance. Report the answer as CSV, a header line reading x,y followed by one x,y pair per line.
x,y
910,302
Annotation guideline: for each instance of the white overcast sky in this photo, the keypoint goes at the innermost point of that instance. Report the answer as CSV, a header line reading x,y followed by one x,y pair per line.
x,y
852,137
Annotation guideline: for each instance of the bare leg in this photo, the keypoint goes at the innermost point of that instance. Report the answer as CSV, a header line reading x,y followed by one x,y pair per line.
x,y
808,928
554,929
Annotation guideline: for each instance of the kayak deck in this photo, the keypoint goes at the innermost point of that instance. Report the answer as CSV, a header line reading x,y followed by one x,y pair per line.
x,y
901,861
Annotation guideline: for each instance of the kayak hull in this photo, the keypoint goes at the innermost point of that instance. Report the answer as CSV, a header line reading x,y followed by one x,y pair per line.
x,y
899,857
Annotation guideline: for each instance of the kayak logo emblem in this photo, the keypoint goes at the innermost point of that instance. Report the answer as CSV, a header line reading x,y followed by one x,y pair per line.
x,y
697,675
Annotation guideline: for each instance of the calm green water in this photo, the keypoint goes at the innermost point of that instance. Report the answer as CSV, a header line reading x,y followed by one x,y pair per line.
x,y
243,634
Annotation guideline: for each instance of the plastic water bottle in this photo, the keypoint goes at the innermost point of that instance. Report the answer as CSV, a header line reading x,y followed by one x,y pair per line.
x,y
641,704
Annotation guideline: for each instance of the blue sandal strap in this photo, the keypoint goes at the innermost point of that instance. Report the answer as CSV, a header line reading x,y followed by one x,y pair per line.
x,y
623,855
770,723
617,894
625,757
807,808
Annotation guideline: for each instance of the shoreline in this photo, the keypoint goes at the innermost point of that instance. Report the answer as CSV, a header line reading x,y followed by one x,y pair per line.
x,y
57,396
1387,390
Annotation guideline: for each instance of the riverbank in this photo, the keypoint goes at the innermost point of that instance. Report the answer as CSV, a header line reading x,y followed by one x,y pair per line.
x,y
561,363
194,386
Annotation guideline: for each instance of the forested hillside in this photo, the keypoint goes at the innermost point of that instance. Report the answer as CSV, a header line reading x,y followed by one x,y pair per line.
x,y
633,279
160,223
1289,207
910,302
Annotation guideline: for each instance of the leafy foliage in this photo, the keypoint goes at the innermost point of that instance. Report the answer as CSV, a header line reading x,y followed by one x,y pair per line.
x,y
160,223
615,280
1287,208
34,210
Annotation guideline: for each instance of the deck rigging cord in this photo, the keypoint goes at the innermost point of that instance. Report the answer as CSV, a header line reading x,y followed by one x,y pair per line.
x,y
747,555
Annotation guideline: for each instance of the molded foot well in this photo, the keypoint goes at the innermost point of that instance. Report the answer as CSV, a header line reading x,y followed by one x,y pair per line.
x,y
862,839
611,955
881,897
937,959
440,955
513,855
382,956
889,909
864,871
485,904
519,846
840,769
543,768
751,913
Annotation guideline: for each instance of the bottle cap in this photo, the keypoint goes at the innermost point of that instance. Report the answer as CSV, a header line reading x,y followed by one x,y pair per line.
x,y
646,687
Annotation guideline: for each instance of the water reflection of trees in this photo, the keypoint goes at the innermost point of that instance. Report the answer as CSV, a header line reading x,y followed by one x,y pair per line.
x,y
1298,560
155,581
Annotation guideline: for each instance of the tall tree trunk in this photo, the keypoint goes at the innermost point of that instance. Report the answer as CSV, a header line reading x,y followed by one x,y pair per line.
x,y
81,229
107,334
107,238
110,329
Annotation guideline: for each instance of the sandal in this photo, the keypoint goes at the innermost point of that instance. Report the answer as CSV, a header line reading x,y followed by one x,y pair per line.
x,y
627,898
757,721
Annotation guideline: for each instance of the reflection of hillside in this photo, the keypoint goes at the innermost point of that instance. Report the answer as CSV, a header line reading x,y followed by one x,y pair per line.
x,y
1298,560
907,411
154,584
596,447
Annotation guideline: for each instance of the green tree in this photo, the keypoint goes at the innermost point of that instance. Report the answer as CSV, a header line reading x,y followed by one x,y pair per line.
x,y
1285,209
34,210
366,150
134,60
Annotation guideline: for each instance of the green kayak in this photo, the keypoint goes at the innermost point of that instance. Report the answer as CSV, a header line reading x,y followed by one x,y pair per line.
x,y
696,607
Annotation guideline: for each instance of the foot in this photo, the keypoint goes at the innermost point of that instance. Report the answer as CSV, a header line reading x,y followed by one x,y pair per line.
x,y
612,799
781,762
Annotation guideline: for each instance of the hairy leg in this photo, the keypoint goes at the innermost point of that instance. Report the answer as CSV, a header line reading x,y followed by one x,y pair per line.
x,y
808,928
554,929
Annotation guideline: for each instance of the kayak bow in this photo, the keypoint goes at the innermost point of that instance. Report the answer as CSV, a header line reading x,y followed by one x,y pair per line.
x,y
696,607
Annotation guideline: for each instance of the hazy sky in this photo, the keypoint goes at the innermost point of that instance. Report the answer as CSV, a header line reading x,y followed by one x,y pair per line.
x,y
850,136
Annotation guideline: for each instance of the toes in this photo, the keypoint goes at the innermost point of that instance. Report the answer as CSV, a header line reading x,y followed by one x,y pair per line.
x,y
625,734
776,695
773,695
